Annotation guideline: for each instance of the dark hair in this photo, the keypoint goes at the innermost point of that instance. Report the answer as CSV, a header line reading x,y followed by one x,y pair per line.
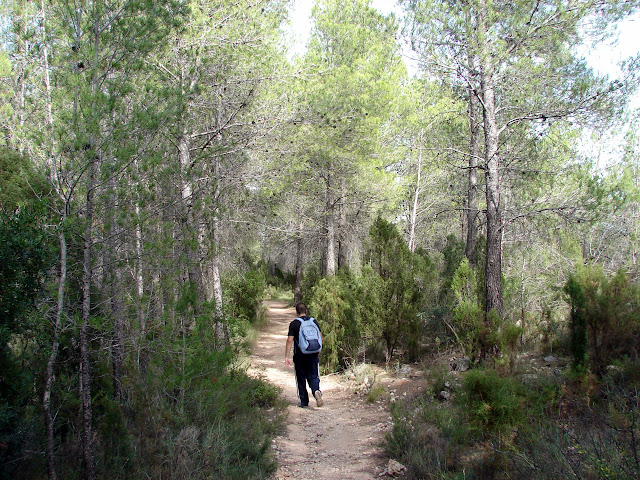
x,y
301,308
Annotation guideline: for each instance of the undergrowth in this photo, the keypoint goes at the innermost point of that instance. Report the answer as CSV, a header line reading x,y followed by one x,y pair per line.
x,y
534,427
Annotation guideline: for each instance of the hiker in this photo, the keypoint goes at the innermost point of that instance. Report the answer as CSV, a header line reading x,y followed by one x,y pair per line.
x,y
305,364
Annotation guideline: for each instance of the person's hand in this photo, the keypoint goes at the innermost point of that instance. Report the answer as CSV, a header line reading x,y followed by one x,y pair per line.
x,y
287,361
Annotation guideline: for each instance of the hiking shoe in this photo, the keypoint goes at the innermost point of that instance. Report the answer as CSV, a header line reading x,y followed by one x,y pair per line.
x,y
319,400
302,406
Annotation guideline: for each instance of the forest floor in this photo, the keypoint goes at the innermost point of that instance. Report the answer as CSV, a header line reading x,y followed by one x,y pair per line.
x,y
344,439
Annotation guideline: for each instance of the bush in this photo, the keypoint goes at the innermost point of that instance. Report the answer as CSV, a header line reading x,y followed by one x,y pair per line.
x,y
204,418
330,307
492,404
246,292
391,289
417,442
605,321
469,324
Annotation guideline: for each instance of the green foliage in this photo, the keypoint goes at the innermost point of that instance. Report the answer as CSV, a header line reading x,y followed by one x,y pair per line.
x,y
492,404
453,253
510,335
374,393
391,289
468,316
420,438
310,277
20,183
604,318
577,325
279,294
330,308
25,258
246,292
480,433
199,417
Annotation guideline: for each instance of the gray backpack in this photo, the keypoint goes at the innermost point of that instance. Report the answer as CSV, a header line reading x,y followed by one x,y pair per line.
x,y
309,338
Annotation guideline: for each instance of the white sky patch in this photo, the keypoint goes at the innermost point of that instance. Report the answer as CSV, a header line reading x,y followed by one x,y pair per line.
x,y
299,30
606,57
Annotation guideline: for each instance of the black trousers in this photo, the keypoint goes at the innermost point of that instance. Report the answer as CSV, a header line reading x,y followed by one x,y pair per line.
x,y
306,368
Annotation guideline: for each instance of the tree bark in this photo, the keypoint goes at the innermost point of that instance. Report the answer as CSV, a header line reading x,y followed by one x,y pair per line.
x,y
472,195
413,220
142,324
62,279
115,306
297,291
343,255
53,356
493,266
85,373
330,222
221,330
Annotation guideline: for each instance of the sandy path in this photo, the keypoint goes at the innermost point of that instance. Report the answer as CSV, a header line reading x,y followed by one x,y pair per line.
x,y
341,440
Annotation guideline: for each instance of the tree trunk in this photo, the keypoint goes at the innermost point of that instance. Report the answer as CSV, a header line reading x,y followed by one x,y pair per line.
x,y
330,251
416,198
85,374
472,195
114,282
221,330
297,291
493,266
343,254
53,356
108,280
142,324
62,280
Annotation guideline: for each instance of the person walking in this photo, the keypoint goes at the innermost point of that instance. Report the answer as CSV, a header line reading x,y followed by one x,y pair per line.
x,y
305,364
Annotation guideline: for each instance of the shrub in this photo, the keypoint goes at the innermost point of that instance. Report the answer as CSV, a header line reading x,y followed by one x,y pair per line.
x,y
330,308
204,418
391,289
492,404
604,322
246,292
418,443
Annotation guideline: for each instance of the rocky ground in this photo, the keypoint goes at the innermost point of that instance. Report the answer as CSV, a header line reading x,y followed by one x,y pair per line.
x,y
343,440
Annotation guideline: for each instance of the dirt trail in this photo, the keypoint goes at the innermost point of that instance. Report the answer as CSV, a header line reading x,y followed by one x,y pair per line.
x,y
341,440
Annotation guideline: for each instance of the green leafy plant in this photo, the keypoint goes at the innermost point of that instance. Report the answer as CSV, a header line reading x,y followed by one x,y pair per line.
x,y
330,308
604,318
492,404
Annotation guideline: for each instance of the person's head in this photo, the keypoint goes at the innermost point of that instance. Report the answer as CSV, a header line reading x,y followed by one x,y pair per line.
x,y
301,309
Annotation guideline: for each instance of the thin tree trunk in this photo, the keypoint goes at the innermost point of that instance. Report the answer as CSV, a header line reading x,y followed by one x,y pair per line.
x,y
53,356
522,301
85,374
221,330
330,219
493,266
139,286
114,281
472,196
189,220
297,291
416,198
62,280
343,254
